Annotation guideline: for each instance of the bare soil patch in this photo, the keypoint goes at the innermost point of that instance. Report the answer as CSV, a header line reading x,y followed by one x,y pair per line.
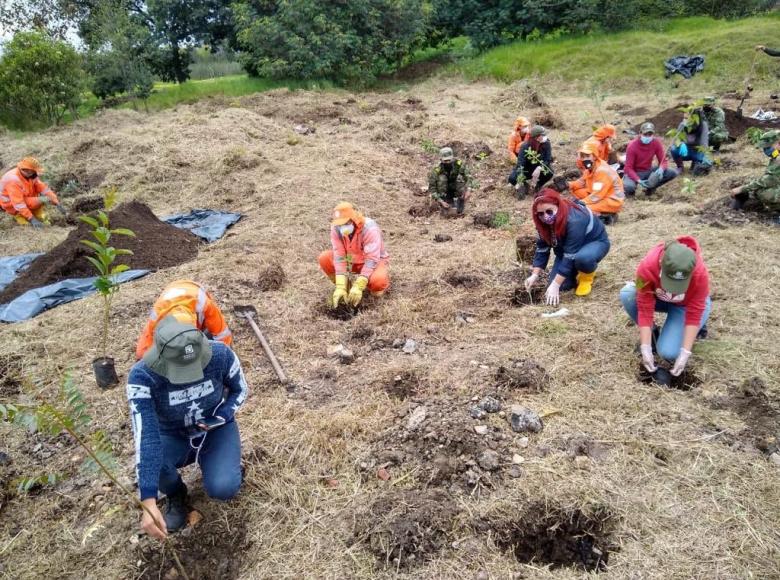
x,y
10,375
157,245
525,248
760,411
403,385
271,277
455,277
423,210
558,537
737,126
522,374
404,528
719,214
685,382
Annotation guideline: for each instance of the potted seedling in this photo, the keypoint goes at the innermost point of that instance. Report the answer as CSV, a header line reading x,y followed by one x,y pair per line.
x,y
103,259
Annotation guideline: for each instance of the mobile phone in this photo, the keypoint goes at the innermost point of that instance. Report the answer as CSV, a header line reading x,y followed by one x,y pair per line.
x,y
209,423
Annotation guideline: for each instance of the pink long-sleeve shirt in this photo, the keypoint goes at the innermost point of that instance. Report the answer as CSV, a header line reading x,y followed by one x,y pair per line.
x,y
639,157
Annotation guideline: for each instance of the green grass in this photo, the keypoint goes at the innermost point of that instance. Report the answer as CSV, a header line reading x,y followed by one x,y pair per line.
x,y
635,58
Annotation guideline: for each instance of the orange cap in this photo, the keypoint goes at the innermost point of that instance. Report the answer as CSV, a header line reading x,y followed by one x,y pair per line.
x,y
589,148
183,315
603,132
345,212
522,122
30,163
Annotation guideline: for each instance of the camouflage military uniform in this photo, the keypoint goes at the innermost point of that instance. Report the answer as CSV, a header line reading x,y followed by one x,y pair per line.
x,y
716,121
449,185
766,188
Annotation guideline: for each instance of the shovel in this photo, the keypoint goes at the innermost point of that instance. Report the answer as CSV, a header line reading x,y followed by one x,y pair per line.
x,y
248,312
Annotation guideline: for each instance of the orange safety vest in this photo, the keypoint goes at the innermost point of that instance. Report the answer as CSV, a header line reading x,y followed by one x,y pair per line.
x,y
19,195
194,299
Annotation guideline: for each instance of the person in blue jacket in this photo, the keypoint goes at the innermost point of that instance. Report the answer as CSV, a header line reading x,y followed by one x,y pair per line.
x,y
183,395
576,237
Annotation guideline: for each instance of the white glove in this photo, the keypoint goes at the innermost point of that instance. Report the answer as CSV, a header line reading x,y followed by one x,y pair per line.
x,y
648,358
679,364
530,281
553,294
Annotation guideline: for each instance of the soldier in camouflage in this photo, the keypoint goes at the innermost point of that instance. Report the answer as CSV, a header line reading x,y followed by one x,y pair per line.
x,y
716,121
448,182
766,188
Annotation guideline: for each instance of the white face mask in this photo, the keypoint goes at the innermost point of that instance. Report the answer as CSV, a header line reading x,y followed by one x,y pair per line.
x,y
543,139
347,229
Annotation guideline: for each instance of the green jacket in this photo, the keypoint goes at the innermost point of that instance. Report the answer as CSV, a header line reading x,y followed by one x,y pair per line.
x,y
766,188
443,184
716,120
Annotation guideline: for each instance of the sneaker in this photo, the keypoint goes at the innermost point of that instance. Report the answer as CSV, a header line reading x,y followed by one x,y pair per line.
x,y
176,511
703,332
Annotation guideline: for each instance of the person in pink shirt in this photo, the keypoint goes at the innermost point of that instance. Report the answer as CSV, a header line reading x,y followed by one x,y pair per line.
x,y
640,169
672,278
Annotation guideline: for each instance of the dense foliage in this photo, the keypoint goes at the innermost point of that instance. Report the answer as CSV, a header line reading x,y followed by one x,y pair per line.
x,y
349,41
40,80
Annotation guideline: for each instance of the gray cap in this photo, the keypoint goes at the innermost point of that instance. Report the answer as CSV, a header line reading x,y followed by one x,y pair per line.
x,y
647,127
446,154
538,131
179,352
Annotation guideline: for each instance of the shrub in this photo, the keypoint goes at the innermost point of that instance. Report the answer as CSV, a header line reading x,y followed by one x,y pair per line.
x,y
40,79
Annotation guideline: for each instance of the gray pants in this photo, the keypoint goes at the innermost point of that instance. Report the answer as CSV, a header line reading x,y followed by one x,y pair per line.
x,y
629,185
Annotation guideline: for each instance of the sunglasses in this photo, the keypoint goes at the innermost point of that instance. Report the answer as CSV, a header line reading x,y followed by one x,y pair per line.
x,y
549,212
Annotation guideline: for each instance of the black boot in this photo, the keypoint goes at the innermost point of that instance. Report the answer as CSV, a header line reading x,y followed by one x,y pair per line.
x,y
738,201
703,332
176,511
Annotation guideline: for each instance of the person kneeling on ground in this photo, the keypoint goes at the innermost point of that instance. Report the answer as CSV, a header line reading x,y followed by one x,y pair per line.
x,y
448,182
520,135
183,398
24,196
357,246
639,162
672,278
603,139
716,121
766,188
694,141
578,240
600,187
534,163
190,303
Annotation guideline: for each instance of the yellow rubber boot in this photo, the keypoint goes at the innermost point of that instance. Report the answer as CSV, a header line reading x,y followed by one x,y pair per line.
x,y
584,283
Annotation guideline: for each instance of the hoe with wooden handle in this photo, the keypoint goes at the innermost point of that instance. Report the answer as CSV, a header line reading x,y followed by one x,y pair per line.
x,y
248,311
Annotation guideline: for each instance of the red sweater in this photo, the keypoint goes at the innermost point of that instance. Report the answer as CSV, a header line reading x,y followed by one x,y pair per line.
x,y
639,157
648,286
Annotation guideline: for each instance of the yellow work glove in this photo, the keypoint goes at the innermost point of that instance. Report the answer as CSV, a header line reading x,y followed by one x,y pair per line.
x,y
340,293
356,292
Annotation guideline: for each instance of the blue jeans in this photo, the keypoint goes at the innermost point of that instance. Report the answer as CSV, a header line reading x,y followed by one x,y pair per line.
x,y
671,338
693,155
219,460
586,260
629,185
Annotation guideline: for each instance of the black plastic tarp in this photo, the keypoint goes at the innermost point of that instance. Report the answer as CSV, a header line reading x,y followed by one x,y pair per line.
x,y
208,224
12,266
687,66
35,301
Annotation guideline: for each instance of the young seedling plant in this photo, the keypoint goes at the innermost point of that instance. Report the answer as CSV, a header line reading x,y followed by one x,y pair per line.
x,y
103,260
69,415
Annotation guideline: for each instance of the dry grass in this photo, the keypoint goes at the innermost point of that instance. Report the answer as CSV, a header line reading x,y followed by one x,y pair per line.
x,y
689,500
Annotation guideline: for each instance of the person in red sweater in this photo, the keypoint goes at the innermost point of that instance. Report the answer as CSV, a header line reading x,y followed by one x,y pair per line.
x,y
640,169
672,278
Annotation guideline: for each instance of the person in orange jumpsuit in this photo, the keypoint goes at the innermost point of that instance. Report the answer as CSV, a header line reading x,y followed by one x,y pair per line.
x,y
24,196
600,187
189,303
602,139
520,134
357,247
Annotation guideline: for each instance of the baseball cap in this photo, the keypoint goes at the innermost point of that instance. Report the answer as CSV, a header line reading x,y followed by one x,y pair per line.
x,y
677,265
446,154
538,131
342,213
179,352
647,128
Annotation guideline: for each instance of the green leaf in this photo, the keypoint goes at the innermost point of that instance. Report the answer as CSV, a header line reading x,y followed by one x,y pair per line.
x,y
119,269
123,252
103,218
89,220
104,285
98,265
123,232
91,244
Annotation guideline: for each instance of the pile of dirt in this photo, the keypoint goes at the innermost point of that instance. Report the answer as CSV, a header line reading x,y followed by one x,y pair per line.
x,y
737,126
719,214
272,277
525,248
458,279
759,411
426,209
476,151
522,374
404,528
10,375
210,551
557,536
156,245
456,445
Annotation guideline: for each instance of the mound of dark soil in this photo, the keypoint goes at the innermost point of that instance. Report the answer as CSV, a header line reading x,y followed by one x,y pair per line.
x,y
423,210
69,184
157,245
558,537
736,125
10,375
210,551
534,297
477,151
402,386
454,277
718,213
662,377
272,277
525,248
548,119
522,374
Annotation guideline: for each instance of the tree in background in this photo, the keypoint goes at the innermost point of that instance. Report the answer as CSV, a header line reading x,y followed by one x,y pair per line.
x,y
348,41
40,79
53,16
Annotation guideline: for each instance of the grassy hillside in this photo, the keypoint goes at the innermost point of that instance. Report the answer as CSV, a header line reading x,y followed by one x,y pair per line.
x,y
636,57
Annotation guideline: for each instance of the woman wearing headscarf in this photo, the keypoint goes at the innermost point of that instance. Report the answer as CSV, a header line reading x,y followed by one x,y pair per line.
x,y
577,238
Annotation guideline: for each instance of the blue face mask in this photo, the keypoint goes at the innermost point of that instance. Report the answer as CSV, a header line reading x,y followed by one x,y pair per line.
x,y
646,140
347,229
771,152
